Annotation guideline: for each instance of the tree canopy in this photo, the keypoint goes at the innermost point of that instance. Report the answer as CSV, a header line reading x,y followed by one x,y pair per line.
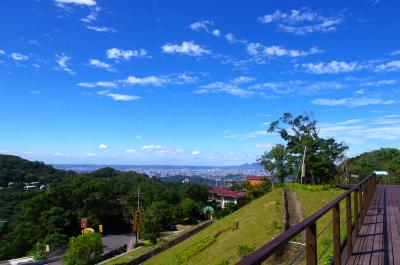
x,y
301,136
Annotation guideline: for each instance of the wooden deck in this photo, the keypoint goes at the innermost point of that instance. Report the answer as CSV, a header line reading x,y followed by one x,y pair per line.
x,y
379,237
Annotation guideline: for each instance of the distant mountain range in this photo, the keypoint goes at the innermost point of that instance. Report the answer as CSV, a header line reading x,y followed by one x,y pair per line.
x,y
90,168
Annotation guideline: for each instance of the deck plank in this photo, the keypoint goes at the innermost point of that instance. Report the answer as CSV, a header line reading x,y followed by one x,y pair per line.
x,y
379,238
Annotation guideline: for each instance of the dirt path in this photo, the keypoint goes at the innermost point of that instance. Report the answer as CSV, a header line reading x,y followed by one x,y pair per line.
x,y
292,214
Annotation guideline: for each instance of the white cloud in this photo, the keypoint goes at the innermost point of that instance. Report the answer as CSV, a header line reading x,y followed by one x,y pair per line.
x,y
187,47
97,84
148,80
77,2
216,32
100,29
196,153
91,155
242,79
264,145
120,97
102,146
380,82
90,18
62,63
352,102
302,22
138,137
158,149
19,56
2,52
99,64
115,53
389,66
360,133
201,25
259,50
332,67
3,152
131,151
222,87
395,53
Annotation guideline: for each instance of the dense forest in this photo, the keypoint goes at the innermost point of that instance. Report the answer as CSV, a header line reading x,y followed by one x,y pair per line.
x,y
106,197
387,159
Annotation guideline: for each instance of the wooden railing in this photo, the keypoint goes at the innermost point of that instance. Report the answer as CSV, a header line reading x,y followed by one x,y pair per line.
x,y
362,194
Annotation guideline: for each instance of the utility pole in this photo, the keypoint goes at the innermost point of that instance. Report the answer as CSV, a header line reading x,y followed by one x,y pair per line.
x,y
303,166
138,210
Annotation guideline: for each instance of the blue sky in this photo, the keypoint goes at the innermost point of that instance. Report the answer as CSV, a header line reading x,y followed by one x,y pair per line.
x,y
193,82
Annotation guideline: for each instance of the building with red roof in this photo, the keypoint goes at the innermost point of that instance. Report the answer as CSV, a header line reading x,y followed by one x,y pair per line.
x,y
257,180
221,196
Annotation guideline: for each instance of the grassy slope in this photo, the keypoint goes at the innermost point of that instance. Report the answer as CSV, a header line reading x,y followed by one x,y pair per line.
x,y
259,221
312,202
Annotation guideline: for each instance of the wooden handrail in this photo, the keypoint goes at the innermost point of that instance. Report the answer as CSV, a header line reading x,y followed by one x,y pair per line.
x,y
365,190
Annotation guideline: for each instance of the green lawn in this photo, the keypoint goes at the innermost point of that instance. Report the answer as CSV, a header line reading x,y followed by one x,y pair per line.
x,y
312,202
259,221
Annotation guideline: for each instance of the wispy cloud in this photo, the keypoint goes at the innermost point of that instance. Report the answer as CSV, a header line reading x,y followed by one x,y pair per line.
x,y
62,63
201,25
206,26
100,29
361,131
99,64
118,97
389,66
161,150
18,56
147,80
242,79
115,53
76,2
302,22
102,146
352,101
260,51
332,67
107,84
187,47
223,87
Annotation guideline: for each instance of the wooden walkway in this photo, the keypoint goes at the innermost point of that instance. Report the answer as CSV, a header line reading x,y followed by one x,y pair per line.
x,y
379,237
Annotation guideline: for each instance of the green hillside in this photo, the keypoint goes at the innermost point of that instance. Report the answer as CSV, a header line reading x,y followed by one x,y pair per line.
x,y
259,222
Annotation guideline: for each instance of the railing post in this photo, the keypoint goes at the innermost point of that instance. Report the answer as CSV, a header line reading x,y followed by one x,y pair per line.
x,y
336,234
362,202
356,214
311,244
349,229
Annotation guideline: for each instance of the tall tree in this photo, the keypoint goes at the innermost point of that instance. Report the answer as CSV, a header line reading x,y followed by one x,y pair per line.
x,y
300,133
276,161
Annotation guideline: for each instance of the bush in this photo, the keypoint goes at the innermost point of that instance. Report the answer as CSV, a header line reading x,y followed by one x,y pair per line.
x,y
244,250
195,249
83,250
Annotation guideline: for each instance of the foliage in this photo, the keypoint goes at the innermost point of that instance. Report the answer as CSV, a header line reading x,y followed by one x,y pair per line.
x,y
301,134
155,218
195,249
277,160
244,250
83,250
386,159
106,197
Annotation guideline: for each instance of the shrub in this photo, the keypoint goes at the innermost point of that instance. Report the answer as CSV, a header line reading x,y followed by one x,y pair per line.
x,y
195,249
83,250
244,250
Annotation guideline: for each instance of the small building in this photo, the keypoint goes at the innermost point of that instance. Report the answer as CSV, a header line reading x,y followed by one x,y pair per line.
x,y
257,180
222,196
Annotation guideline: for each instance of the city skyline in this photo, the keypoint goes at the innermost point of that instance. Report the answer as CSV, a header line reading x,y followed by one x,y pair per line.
x,y
179,83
